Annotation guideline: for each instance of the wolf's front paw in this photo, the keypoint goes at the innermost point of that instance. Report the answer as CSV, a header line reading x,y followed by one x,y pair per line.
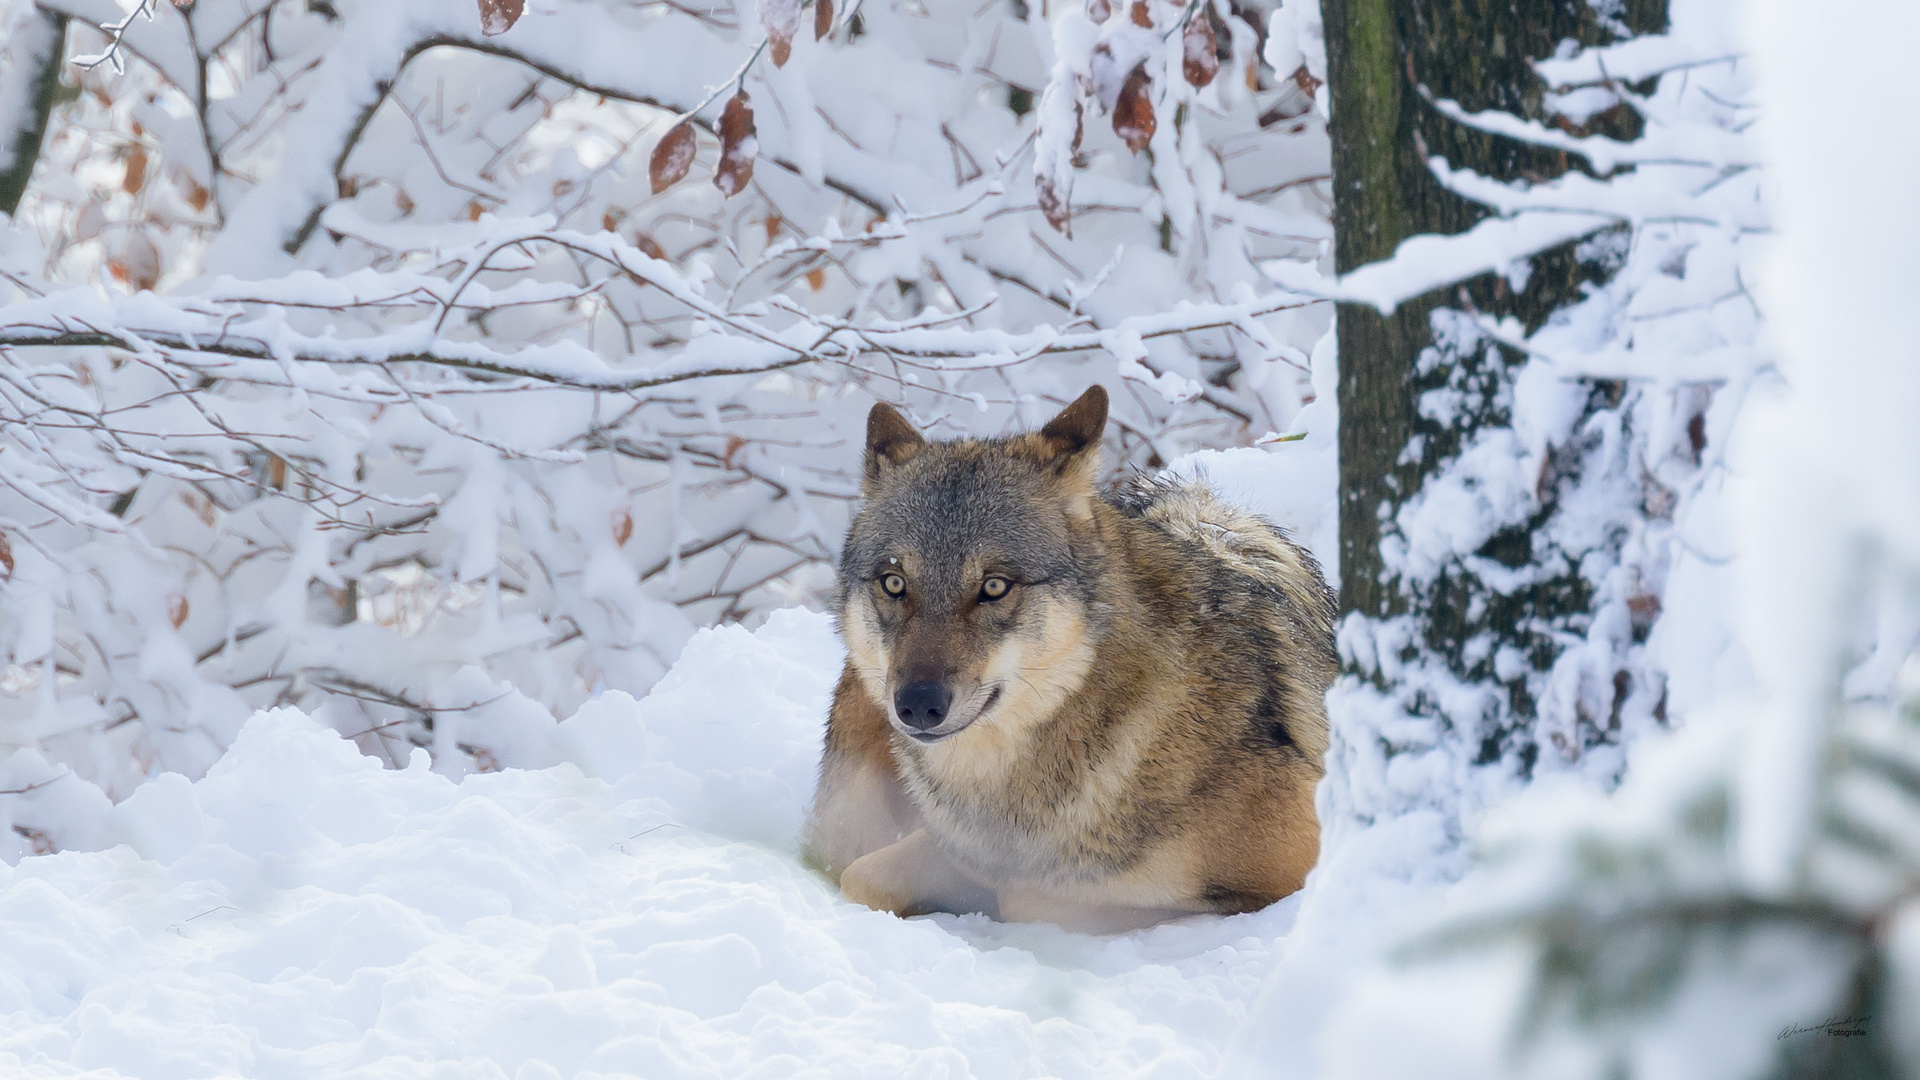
x,y
865,881
912,877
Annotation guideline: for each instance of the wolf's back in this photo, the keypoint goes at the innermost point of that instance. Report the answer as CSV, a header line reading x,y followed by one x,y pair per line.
x,y
1244,542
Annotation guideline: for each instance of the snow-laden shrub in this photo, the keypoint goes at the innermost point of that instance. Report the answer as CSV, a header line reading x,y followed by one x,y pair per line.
x,y
400,361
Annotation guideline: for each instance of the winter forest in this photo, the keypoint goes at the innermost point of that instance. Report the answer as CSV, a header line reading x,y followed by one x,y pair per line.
x,y
428,429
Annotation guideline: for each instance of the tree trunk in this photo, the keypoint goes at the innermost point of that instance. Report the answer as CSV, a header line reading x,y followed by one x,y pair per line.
x,y
29,76
1380,53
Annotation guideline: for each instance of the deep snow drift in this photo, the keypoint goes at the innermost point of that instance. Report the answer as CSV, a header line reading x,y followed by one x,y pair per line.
x,y
638,906
304,912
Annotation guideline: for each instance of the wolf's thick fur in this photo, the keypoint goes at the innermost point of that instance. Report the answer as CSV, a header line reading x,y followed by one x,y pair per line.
x,y
1135,722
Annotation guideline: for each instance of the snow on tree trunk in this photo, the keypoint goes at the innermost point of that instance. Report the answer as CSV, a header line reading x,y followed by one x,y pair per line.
x,y
1494,513
30,49
1743,905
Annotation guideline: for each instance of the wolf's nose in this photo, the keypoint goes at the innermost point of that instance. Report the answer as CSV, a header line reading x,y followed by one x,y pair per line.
x,y
922,705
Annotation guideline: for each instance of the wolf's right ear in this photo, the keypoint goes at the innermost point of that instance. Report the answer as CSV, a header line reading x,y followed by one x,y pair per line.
x,y
1079,425
1070,444
890,440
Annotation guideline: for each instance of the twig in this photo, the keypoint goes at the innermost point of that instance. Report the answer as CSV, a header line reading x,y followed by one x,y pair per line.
x,y
38,786
115,32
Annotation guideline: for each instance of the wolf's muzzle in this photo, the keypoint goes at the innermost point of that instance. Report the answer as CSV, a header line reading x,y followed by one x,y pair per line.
x,y
929,727
922,705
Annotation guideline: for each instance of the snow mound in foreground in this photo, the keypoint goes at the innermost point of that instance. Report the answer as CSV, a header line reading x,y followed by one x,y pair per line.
x,y
638,910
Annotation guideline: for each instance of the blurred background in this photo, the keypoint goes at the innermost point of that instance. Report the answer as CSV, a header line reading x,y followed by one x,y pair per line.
x,y
435,366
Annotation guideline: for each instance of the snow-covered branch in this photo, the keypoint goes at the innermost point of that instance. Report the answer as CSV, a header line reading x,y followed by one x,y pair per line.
x,y
357,357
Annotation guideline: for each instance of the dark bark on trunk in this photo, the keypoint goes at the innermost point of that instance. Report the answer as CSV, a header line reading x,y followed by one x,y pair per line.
x,y
31,83
1380,53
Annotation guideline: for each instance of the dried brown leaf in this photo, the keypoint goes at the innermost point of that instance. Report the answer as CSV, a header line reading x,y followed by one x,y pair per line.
x,y
650,246
1053,203
498,16
1141,16
817,278
738,144
201,505
1200,51
822,18
176,610
137,264
136,175
672,157
6,556
622,527
1133,118
781,20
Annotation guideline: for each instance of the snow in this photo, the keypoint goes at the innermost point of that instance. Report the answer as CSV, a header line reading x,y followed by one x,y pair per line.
x,y
1833,496
639,908
1490,976
627,896
635,903
1615,934
1426,262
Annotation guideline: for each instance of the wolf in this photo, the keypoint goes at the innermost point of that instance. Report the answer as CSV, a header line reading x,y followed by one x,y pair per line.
x,y
1100,710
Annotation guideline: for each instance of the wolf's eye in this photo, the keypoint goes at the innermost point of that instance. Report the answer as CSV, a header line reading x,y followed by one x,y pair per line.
x,y
894,584
994,588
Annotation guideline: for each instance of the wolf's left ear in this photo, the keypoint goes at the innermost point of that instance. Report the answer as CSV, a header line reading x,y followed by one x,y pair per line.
x,y
1078,427
890,439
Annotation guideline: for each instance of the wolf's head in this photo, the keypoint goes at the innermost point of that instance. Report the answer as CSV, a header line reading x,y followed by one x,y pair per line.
x,y
968,579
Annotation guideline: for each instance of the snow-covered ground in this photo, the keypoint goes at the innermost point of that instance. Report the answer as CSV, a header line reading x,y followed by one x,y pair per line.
x,y
639,910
